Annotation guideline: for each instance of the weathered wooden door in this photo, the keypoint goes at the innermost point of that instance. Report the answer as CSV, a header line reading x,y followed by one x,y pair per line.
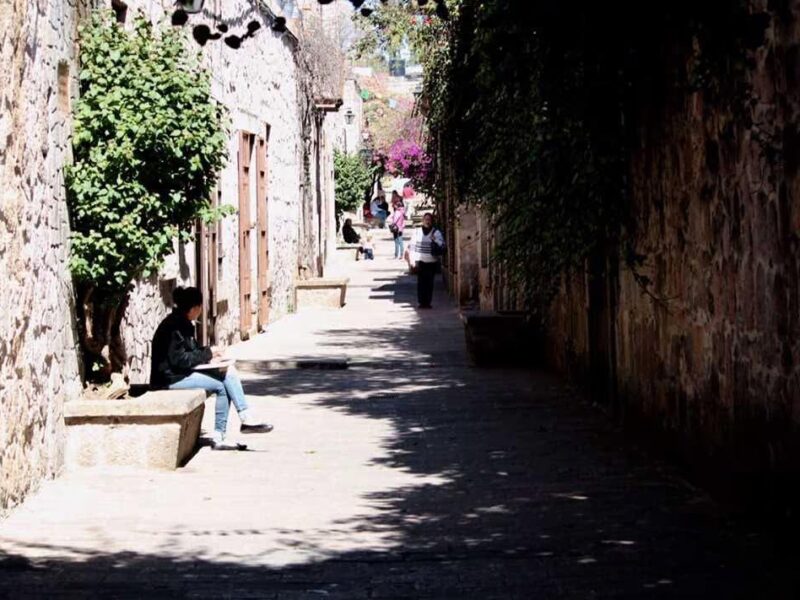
x,y
262,199
206,246
246,141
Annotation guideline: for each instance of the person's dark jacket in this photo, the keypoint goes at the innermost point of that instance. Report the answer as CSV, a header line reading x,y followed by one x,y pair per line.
x,y
175,351
350,236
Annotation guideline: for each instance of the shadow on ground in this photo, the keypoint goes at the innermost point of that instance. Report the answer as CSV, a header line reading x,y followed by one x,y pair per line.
x,y
538,498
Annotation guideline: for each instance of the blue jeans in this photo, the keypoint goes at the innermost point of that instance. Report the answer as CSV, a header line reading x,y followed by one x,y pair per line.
x,y
228,388
398,245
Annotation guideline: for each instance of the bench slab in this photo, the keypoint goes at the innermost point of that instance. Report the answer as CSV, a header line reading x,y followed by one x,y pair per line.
x,y
347,251
157,430
320,293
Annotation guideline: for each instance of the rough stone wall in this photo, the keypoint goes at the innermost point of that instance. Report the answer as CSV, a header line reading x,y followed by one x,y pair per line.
x,y
568,346
309,249
328,185
38,361
466,275
715,364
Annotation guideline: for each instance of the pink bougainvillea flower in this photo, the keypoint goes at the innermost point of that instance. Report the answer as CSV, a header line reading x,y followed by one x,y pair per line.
x,y
407,159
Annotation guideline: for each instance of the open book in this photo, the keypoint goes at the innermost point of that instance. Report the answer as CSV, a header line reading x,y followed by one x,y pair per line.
x,y
216,364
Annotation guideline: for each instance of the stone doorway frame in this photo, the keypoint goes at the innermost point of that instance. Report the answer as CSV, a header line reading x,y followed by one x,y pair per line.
x,y
246,143
262,199
207,268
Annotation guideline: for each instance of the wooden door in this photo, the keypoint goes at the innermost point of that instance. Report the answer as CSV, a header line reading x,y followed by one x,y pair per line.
x,y
263,232
246,141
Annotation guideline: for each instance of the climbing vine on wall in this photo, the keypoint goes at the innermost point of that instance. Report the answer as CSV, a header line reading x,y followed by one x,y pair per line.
x,y
529,107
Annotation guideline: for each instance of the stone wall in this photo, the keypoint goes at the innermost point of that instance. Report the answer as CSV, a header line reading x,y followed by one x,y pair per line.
x,y
38,361
712,361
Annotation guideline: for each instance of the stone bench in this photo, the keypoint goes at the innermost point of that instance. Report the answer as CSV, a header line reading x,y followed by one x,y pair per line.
x,y
157,430
320,293
501,339
348,251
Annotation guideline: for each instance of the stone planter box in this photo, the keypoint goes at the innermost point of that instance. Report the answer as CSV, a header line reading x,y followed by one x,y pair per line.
x,y
157,430
501,339
320,293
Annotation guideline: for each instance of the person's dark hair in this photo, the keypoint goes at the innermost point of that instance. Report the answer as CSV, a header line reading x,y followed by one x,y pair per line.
x,y
186,298
348,222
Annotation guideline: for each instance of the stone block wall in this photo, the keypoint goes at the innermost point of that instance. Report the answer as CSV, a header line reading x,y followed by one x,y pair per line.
x,y
712,364
38,360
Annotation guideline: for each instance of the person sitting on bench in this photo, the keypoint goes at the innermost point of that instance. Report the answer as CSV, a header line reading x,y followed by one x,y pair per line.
x,y
349,235
175,355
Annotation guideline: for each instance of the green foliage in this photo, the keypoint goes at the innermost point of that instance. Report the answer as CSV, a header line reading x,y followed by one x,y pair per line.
x,y
530,105
148,144
387,125
531,111
397,23
354,179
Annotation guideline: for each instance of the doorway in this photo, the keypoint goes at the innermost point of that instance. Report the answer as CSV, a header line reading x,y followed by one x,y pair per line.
x,y
253,258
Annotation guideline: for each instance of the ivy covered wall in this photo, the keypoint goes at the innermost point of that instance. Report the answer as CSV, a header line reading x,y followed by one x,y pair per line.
x,y
713,362
638,173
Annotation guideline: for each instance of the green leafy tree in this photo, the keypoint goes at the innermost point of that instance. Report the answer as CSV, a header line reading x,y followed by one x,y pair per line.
x,y
354,179
148,144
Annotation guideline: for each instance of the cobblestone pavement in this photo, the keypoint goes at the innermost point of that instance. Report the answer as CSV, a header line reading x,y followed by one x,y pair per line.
x,y
408,475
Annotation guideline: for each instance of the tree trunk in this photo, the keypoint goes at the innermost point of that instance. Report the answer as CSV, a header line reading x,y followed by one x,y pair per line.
x,y
100,317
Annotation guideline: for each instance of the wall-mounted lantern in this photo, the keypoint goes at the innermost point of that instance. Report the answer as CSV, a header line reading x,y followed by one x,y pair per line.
x,y
349,116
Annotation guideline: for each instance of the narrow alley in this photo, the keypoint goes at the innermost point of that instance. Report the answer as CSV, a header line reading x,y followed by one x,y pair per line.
x,y
395,471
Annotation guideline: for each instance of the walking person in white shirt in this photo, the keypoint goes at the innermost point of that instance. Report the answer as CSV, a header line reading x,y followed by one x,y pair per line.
x,y
427,245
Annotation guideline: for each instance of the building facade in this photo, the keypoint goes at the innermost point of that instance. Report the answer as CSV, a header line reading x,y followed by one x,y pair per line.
x,y
278,176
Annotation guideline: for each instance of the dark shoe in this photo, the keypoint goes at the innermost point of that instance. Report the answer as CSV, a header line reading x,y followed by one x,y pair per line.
x,y
425,306
259,428
223,445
